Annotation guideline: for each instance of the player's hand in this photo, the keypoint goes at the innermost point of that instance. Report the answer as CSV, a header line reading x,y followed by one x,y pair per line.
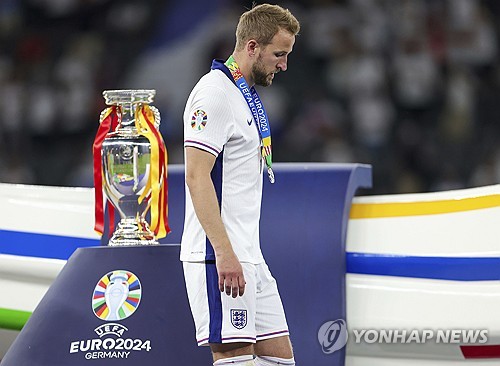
x,y
231,278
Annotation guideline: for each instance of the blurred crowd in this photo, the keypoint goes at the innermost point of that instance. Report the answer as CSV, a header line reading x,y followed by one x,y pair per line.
x,y
411,87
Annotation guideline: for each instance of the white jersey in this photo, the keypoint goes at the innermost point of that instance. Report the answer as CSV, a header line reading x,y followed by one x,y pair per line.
x,y
217,119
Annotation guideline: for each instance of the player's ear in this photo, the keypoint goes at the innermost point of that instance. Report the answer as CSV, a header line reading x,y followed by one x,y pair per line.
x,y
252,48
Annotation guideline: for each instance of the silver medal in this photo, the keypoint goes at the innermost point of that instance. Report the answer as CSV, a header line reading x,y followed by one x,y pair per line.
x,y
270,173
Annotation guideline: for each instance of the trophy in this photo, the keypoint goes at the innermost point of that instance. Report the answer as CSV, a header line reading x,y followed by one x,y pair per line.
x,y
130,160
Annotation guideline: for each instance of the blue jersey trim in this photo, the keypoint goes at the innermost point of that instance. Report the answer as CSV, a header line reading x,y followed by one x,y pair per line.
x,y
216,176
214,303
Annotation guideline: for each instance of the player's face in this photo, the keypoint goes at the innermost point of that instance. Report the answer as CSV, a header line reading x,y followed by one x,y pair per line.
x,y
273,58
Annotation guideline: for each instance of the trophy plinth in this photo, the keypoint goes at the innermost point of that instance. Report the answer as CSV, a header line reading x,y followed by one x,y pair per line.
x,y
132,164
132,232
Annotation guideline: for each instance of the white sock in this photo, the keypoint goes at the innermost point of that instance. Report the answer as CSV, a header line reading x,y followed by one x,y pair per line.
x,y
245,360
273,361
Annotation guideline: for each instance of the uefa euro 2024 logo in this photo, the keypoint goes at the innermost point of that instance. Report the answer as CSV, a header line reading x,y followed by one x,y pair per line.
x,y
116,296
332,335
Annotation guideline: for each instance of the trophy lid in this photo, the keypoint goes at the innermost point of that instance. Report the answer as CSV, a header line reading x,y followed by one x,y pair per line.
x,y
122,96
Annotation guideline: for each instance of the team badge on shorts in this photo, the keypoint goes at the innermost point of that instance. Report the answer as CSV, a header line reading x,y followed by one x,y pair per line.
x,y
199,120
238,318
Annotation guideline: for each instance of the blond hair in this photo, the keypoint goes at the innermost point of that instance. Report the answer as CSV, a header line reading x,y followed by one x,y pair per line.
x,y
262,22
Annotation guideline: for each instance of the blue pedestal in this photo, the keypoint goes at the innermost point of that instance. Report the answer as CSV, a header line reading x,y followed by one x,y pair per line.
x,y
304,246
64,329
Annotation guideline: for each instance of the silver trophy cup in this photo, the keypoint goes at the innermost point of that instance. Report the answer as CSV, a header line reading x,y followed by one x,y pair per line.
x,y
126,162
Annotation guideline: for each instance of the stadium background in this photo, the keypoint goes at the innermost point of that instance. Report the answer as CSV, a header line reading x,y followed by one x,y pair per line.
x,y
409,86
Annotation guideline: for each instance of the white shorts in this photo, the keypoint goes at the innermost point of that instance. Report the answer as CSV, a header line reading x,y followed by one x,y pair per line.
x,y
219,318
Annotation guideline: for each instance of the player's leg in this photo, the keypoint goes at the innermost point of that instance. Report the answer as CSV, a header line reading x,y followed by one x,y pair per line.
x,y
232,323
273,361
277,347
274,351
235,361
235,354
273,346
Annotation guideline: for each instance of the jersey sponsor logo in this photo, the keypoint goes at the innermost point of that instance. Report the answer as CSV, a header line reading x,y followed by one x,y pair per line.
x,y
239,318
199,120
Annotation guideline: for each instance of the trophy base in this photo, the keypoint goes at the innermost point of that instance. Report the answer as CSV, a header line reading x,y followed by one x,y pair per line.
x,y
130,232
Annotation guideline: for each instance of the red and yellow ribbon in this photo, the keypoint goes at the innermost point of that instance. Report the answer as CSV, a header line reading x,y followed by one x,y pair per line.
x,y
157,185
109,123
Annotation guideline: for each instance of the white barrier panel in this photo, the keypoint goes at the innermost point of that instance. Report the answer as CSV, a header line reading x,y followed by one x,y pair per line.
x,y
33,217
48,210
26,279
424,262
460,223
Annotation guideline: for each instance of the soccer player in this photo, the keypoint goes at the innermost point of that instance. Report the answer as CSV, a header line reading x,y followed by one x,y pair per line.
x,y
233,297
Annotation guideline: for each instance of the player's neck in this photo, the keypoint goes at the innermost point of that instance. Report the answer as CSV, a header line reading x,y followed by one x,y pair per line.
x,y
245,65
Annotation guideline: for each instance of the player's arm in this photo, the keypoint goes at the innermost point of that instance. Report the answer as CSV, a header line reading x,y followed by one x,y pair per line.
x,y
199,164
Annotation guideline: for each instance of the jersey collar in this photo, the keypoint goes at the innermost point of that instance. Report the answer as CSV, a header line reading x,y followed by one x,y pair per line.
x,y
219,65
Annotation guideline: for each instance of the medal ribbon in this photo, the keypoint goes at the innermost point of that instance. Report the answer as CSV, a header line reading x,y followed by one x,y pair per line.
x,y
108,123
157,187
258,112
